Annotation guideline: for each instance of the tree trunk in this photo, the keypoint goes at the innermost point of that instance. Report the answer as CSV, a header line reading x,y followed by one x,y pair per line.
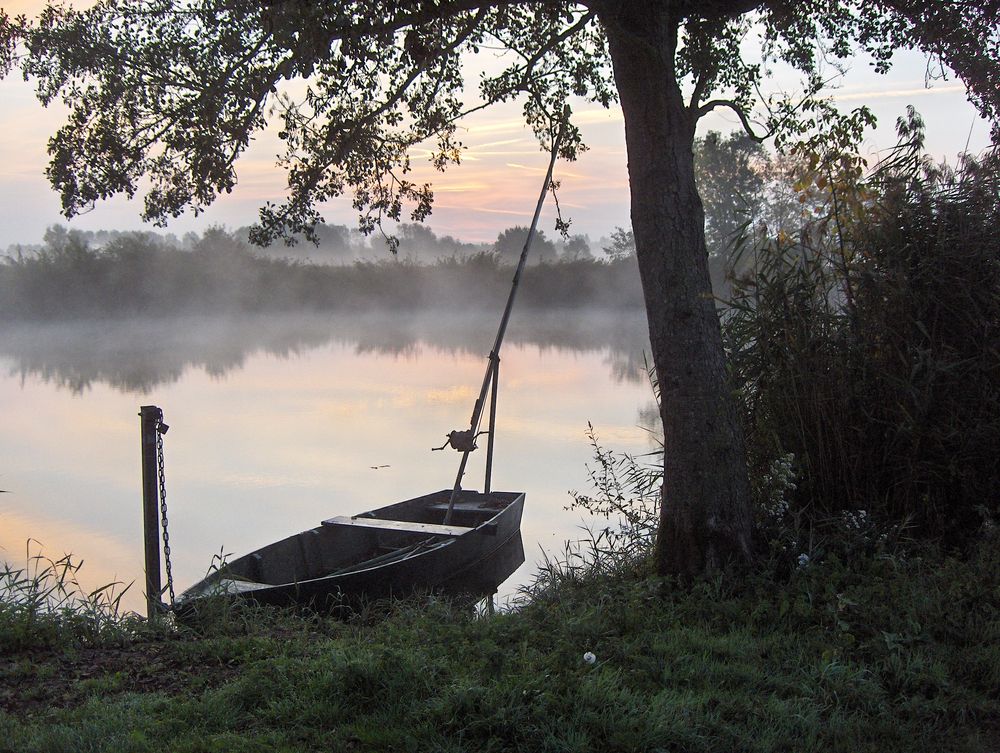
x,y
705,510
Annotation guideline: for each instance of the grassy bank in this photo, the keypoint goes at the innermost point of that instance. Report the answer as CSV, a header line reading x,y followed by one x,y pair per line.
x,y
880,651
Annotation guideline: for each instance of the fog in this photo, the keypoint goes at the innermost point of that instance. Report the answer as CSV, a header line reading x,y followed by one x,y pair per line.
x,y
146,276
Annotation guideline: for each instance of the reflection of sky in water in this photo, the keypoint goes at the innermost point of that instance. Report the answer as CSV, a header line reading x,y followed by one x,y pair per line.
x,y
283,430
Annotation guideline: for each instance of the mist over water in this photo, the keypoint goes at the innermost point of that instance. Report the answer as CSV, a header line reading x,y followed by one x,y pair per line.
x,y
136,356
280,421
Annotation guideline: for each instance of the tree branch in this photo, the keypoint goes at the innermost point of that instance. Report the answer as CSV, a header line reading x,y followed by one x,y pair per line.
x,y
542,51
700,84
717,10
744,119
432,12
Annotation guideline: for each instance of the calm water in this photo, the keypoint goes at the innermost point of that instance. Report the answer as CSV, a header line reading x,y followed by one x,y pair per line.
x,y
280,422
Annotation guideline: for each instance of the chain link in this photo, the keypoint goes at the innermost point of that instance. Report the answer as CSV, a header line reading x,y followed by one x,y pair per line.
x,y
163,510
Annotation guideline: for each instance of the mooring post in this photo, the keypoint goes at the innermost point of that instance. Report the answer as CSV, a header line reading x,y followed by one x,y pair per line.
x,y
150,418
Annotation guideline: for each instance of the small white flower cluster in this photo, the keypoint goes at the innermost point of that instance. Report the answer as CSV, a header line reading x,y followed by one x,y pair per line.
x,y
780,480
857,520
777,510
803,559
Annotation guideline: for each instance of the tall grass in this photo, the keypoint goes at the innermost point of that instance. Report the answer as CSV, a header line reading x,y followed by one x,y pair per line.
x,y
892,652
43,605
623,503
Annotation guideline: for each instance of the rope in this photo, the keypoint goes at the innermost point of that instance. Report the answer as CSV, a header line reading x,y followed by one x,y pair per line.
x,y
463,441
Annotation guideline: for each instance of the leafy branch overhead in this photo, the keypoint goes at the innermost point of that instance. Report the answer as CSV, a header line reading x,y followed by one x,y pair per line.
x,y
174,92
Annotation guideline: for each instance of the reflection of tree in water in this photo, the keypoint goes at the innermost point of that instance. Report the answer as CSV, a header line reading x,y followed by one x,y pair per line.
x,y
136,356
633,365
628,365
649,419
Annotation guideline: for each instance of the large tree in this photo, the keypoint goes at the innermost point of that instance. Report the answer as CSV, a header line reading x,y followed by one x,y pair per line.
x,y
164,95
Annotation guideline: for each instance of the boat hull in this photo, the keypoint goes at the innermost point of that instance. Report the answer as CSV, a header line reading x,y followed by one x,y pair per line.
x,y
394,551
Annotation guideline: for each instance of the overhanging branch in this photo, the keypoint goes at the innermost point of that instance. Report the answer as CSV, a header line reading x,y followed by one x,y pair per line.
x,y
740,113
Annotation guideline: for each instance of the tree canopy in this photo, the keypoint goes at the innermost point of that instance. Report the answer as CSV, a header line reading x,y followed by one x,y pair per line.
x,y
174,91
164,96
509,243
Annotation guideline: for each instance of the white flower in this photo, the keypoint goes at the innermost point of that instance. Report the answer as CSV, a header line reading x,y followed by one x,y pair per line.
x,y
803,559
589,658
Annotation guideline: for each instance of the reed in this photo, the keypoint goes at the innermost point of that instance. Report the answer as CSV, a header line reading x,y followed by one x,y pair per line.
x,y
866,349
43,605
623,504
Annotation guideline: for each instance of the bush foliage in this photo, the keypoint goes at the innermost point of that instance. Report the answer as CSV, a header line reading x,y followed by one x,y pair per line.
x,y
867,349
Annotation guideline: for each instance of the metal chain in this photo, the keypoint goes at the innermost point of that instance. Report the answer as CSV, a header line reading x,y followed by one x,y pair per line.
x,y
163,511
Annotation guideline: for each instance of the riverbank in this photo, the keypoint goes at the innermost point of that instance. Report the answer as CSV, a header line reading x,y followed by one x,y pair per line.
x,y
883,650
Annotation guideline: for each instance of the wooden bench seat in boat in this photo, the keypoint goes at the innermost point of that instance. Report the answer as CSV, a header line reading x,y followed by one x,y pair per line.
x,y
459,506
404,526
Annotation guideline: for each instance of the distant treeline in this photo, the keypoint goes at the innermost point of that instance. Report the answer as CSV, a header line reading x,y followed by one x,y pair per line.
x,y
339,244
747,198
135,274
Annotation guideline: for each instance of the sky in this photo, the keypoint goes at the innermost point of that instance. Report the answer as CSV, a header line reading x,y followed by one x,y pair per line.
x,y
495,187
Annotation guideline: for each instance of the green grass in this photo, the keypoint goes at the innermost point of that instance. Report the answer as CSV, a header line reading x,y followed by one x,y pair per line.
x,y
886,653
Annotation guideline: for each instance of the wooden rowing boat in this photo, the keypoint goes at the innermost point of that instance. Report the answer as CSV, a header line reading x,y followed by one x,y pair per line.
x,y
393,551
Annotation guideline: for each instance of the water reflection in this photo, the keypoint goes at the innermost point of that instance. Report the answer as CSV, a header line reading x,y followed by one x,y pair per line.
x,y
137,356
278,423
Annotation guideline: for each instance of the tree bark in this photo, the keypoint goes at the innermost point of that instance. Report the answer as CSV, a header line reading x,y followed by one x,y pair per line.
x,y
705,510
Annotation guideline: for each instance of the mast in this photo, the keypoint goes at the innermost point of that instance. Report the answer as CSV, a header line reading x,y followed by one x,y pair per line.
x,y
465,442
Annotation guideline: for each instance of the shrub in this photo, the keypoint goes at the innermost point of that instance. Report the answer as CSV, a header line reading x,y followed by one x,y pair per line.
x,y
868,349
